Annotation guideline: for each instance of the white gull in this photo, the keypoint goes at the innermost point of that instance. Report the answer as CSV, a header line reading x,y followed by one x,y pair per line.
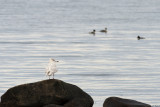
x,y
51,68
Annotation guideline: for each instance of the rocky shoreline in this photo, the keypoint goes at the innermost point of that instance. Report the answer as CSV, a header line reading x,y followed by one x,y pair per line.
x,y
56,93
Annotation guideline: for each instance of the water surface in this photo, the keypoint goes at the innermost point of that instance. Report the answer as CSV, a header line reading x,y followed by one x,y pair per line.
x,y
104,65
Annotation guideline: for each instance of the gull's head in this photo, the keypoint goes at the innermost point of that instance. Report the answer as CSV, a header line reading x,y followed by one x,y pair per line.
x,y
105,28
52,60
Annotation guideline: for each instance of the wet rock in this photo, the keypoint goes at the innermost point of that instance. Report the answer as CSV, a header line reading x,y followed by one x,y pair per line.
x,y
120,102
46,92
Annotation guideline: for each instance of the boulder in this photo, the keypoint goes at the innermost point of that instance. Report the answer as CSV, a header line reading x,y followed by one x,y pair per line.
x,y
44,93
120,102
53,105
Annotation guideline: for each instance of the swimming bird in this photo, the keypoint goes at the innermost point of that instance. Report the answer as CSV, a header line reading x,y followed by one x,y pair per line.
x,y
93,32
51,68
138,37
105,30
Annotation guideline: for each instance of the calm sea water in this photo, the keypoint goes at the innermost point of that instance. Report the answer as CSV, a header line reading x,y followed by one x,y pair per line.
x,y
104,65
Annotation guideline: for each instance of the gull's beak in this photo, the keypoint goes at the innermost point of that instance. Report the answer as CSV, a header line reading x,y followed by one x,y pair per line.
x,y
57,61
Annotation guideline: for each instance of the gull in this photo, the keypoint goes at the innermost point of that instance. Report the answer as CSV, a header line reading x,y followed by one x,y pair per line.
x,y
51,68
93,32
105,30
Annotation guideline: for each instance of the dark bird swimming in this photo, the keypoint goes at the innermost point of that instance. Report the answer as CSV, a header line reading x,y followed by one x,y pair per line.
x,y
93,32
138,37
105,30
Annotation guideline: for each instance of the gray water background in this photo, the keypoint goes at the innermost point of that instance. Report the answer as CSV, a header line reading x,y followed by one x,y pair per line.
x,y
104,65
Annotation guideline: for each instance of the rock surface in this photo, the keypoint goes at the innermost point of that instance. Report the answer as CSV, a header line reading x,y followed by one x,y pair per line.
x,y
44,93
120,102
53,105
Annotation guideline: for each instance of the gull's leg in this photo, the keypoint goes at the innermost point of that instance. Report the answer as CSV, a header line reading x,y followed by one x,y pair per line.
x,y
48,74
